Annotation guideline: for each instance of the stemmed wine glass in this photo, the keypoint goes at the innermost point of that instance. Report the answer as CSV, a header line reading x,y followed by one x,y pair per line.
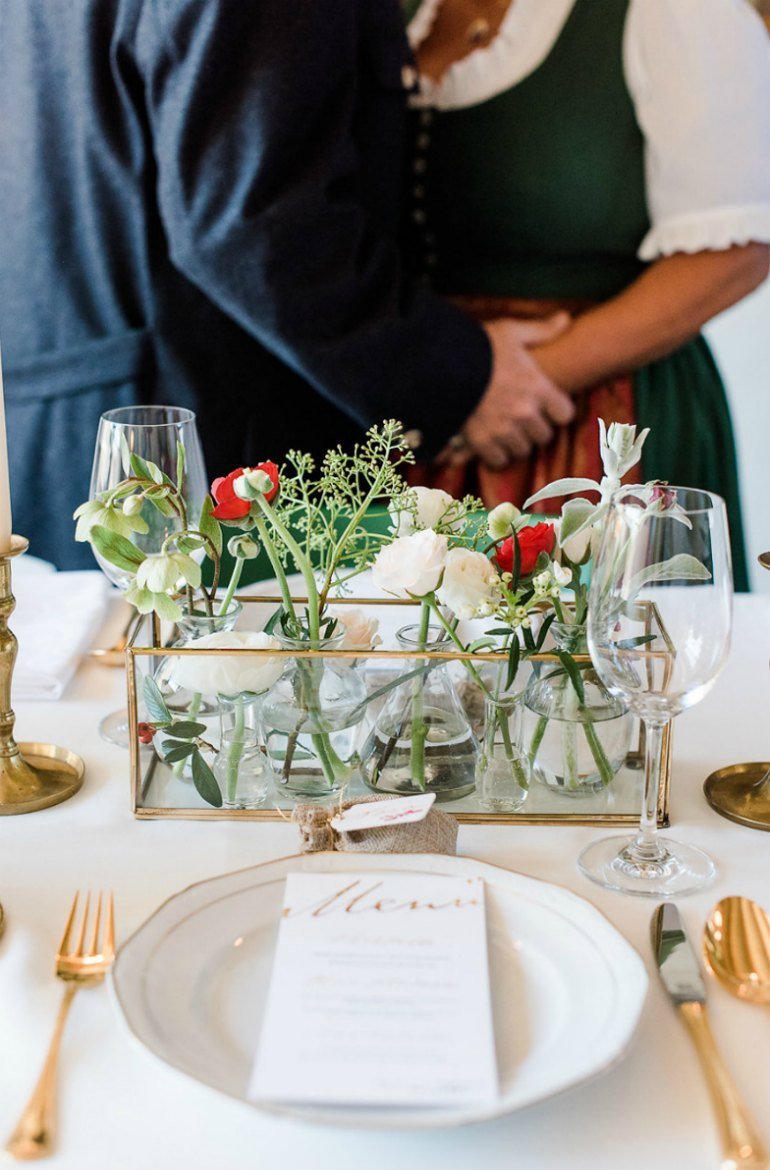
x,y
659,619
152,432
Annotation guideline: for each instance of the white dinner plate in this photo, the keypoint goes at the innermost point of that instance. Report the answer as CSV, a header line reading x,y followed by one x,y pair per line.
x,y
567,989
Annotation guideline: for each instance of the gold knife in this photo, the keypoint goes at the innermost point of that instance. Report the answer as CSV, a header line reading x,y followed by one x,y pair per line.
x,y
680,972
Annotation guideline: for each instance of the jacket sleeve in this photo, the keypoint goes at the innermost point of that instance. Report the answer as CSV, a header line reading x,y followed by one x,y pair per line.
x,y
255,118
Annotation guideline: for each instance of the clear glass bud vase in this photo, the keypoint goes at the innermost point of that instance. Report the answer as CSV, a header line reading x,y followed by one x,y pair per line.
x,y
309,719
421,740
241,767
503,771
182,680
574,745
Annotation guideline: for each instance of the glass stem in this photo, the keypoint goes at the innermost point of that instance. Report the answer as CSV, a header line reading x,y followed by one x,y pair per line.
x,y
646,847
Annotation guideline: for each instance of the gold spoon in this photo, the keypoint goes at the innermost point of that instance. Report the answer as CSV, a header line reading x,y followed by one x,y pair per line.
x,y
736,942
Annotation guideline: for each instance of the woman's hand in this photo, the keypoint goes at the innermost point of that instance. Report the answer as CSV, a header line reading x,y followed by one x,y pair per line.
x,y
666,306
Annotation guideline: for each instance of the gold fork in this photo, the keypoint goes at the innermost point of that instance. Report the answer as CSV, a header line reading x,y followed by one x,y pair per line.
x,y
81,966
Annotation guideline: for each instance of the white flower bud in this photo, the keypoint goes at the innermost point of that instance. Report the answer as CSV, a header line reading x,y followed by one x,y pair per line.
x,y
252,484
132,505
501,520
243,546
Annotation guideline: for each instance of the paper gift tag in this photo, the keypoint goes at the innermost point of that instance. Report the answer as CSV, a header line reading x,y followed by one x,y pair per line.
x,y
379,993
377,814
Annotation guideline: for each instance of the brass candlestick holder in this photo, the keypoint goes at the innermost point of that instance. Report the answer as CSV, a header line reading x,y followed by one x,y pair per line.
x,y
32,775
741,792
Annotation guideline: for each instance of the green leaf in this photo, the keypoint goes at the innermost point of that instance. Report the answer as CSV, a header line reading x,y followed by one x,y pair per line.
x,y
189,544
209,525
514,657
273,620
116,548
575,516
573,670
632,643
180,465
542,633
681,567
172,755
155,703
186,729
205,781
144,470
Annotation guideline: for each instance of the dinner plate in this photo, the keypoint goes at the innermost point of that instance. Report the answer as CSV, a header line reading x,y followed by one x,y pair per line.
x,y
567,989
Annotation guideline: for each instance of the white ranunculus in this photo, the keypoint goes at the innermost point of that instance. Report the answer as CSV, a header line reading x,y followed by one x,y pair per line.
x,y
470,585
229,674
411,566
360,629
501,520
420,508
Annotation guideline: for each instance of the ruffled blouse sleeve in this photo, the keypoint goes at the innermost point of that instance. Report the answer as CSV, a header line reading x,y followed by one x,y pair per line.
x,y
699,74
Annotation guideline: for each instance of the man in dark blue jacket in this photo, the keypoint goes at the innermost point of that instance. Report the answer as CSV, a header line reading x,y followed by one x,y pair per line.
x,y
199,202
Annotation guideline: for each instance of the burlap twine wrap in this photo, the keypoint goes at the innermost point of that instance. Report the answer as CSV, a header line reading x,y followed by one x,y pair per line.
x,y
437,833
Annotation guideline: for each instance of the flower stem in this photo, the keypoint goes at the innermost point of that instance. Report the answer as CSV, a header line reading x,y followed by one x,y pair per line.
x,y
419,730
235,750
234,579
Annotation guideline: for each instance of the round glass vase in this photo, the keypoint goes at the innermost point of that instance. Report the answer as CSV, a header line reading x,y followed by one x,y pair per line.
x,y
503,770
309,720
421,740
574,746
186,702
241,770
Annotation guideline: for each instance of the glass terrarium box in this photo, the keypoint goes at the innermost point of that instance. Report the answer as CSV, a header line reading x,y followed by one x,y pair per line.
x,y
242,732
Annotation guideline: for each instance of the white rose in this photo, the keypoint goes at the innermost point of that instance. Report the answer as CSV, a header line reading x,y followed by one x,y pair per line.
x,y
229,674
470,584
411,566
360,630
576,548
432,507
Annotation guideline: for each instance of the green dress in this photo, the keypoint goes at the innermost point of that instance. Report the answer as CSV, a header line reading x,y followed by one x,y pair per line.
x,y
539,192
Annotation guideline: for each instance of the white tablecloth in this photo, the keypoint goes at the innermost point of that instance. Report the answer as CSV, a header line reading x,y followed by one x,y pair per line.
x,y
119,1107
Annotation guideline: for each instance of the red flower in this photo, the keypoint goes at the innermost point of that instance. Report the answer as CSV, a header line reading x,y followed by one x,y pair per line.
x,y
145,732
229,505
533,540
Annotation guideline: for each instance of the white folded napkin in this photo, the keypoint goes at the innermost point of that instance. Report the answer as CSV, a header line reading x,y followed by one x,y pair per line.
x,y
55,620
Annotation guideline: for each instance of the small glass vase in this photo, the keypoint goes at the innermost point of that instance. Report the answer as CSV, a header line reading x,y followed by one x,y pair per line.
x,y
183,702
503,770
421,740
310,718
574,746
241,770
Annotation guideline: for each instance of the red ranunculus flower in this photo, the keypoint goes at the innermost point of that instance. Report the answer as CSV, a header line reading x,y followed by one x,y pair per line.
x,y
229,506
533,540
270,469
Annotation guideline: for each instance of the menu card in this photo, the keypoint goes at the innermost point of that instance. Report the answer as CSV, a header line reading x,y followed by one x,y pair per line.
x,y
379,993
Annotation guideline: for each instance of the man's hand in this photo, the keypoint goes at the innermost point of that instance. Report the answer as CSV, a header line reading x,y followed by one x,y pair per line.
x,y
521,406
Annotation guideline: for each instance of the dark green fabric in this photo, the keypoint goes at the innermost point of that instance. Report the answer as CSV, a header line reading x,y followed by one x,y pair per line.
x,y
540,192
682,402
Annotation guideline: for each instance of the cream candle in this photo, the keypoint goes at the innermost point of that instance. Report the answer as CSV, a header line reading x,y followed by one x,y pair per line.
x,y
5,485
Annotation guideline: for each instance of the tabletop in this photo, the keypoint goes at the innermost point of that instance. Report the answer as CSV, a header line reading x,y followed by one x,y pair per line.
x,y
121,1107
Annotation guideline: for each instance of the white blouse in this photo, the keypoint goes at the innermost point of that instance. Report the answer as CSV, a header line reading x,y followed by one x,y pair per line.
x,y
698,72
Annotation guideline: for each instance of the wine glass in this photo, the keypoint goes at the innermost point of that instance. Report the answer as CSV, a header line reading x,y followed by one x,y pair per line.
x,y
659,619
152,432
